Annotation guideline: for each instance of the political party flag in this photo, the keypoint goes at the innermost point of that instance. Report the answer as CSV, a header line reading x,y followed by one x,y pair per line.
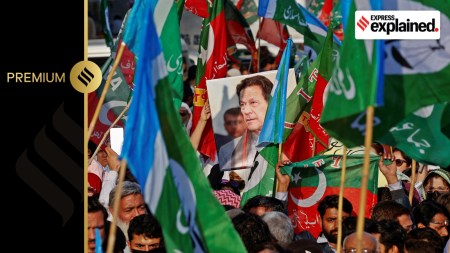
x,y
273,127
415,73
198,7
319,176
275,33
106,28
118,94
174,186
249,9
293,14
419,135
168,29
212,63
180,9
238,31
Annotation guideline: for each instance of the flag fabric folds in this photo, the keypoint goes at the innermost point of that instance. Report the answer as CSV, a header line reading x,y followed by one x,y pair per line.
x,y
212,63
319,176
420,136
273,127
415,74
173,184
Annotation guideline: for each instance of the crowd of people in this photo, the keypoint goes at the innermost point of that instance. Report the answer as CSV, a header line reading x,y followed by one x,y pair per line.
x,y
396,223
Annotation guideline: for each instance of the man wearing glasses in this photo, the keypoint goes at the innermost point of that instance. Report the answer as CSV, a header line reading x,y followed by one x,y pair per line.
x,y
369,243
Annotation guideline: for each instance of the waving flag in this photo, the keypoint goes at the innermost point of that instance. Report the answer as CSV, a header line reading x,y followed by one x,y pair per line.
x,y
212,63
273,127
419,135
104,17
319,176
416,74
239,32
167,27
174,186
293,14
118,94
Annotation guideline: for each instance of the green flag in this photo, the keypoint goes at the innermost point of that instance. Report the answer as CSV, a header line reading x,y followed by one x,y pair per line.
x,y
416,74
161,156
419,135
104,17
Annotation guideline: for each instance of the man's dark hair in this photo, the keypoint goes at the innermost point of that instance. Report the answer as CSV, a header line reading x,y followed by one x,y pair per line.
x,y
388,210
332,201
147,225
391,233
263,82
235,111
94,205
426,210
269,203
423,240
253,231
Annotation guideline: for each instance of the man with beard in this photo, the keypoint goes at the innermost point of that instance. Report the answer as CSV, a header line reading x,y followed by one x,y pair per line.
x,y
131,204
328,211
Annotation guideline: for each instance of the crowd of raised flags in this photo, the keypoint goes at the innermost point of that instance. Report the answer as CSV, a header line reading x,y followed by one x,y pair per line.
x,y
409,108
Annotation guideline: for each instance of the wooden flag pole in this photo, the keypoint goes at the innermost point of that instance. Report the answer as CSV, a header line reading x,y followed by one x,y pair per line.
x,y
413,181
105,90
109,128
364,177
280,148
115,211
259,44
341,199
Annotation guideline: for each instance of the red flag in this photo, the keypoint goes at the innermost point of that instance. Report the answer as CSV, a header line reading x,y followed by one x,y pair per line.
x,y
239,32
212,63
198,7
275,33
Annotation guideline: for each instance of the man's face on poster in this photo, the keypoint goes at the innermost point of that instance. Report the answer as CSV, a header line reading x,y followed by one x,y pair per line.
x,y
253,107
234,125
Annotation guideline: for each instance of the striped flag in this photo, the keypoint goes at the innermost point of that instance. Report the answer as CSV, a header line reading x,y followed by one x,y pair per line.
x,y
174,186
273,127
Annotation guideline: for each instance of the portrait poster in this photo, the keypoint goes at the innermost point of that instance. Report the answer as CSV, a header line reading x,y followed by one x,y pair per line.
x,y
222,96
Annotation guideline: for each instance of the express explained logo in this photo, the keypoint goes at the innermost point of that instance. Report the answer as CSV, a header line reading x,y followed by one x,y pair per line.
x,y
397,25
363,23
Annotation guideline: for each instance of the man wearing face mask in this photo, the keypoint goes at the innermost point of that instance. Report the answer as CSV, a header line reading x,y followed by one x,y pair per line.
x,y
435,183
145,235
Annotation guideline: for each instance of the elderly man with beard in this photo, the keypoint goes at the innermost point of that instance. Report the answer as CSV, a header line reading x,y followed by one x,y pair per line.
x,y
328,211
131,204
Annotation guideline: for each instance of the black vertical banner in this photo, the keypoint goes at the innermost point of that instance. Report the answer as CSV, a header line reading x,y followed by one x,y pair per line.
x,y
42,125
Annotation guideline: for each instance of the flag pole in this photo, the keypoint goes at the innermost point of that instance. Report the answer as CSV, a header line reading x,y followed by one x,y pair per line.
x,y
341,198
280,148
364,177
413,181
259,44
115,211
109,128
105,90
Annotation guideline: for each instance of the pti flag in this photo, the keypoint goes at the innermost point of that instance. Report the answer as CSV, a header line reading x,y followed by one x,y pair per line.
x,y
319,176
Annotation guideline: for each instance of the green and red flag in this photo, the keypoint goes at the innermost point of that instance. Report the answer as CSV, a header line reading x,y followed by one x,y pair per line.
x,y
420,136
319,176
118,95
212,63
415,73
249,9
293,14
161,156
239,32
